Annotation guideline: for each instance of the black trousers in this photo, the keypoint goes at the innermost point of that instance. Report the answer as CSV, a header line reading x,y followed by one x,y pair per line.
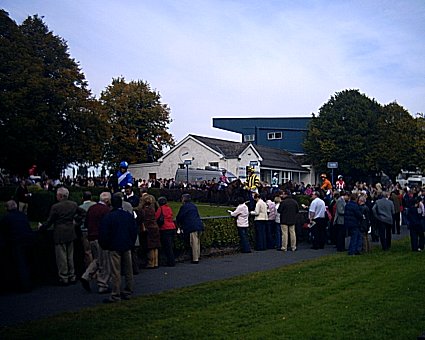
x,y
319,233
385,234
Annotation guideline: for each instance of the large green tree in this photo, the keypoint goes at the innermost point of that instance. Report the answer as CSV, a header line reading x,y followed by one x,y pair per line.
x,y
48,116
139,121
364,137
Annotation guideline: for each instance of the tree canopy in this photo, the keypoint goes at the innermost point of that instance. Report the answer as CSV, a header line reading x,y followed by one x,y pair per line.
x,y
364,137
48,116
139,121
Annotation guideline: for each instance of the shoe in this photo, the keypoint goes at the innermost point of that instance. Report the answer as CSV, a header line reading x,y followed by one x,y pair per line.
x,y
103,291
125,296
62,284
85,284
295,249
194,262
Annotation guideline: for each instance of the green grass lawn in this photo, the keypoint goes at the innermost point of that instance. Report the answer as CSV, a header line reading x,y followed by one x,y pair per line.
x,y
205,210
380,295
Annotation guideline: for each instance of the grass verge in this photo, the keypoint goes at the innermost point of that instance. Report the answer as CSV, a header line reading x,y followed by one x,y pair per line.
x,y
379,295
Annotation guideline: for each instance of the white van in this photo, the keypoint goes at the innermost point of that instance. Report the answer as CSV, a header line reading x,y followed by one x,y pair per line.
x,y
200,175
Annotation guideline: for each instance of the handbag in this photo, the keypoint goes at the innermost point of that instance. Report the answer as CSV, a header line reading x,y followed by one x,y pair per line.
x,y
160,220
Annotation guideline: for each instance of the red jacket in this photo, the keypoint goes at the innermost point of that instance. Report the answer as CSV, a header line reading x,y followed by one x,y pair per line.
x,y
168,217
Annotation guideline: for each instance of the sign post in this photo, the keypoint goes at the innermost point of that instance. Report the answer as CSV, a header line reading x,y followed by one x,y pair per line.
x,y
332,165
187,162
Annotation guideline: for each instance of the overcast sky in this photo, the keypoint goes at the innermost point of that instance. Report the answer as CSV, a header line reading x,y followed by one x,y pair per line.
x,y
244,58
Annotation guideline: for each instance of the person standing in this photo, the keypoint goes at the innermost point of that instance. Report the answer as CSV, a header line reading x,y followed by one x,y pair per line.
x,y
22,196
148,222
130,197
18,239
275,183
352,219
100,267
339,221
271,225
61,217
383,210
415,218
288,211
242,213
167,230
190,221
260,221
397,201
82,230
118,232
365,223
278,229
317,211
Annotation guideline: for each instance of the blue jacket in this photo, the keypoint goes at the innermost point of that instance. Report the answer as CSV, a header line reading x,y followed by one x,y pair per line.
x,y
118,231
352,215
124,179
188,218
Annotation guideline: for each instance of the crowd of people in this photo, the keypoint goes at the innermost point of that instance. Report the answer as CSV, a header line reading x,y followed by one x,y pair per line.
x,y
124,231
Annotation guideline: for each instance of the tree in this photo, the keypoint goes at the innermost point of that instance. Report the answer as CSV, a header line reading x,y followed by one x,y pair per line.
x,y
395,148
48,116
345,132
139,121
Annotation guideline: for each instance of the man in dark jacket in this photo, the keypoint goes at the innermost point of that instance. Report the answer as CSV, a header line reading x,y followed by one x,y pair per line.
x,y
383,210
288,210
18,239
352,220
188,218
118,233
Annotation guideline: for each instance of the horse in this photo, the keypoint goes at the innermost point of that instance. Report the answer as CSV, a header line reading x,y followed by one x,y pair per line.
x,y
234,190
226,194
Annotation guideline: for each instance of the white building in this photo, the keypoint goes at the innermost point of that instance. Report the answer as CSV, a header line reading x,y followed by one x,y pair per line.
x,y
202,152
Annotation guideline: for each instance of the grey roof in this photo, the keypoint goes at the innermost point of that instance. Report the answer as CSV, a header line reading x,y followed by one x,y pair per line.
x,y
277,158
227,148
272,158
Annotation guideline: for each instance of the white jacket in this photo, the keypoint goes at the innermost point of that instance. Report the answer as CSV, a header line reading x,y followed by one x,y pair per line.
x,y
260,211
242,214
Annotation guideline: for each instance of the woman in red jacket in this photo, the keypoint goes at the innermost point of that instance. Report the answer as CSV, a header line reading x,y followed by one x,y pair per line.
x,y
167,229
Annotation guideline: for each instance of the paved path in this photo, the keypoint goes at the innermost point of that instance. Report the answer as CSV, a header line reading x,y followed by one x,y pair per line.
x,y
45,301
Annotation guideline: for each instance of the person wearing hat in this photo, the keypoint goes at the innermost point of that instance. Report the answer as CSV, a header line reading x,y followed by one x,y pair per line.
x,y
251,185
340,183
223,181
124,176
326,184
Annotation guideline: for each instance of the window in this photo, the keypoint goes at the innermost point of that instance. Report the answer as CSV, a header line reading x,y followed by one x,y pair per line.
x,y
274,135
249,138
214,164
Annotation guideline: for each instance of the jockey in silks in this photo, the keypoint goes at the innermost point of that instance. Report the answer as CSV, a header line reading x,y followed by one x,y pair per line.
x,y
124,176
223,181
340,183
251,184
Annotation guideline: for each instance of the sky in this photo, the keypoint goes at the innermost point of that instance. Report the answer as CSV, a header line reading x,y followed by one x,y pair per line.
x,y
244,58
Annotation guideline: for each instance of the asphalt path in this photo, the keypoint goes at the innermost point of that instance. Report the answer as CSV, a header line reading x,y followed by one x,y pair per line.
x,y
46,301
